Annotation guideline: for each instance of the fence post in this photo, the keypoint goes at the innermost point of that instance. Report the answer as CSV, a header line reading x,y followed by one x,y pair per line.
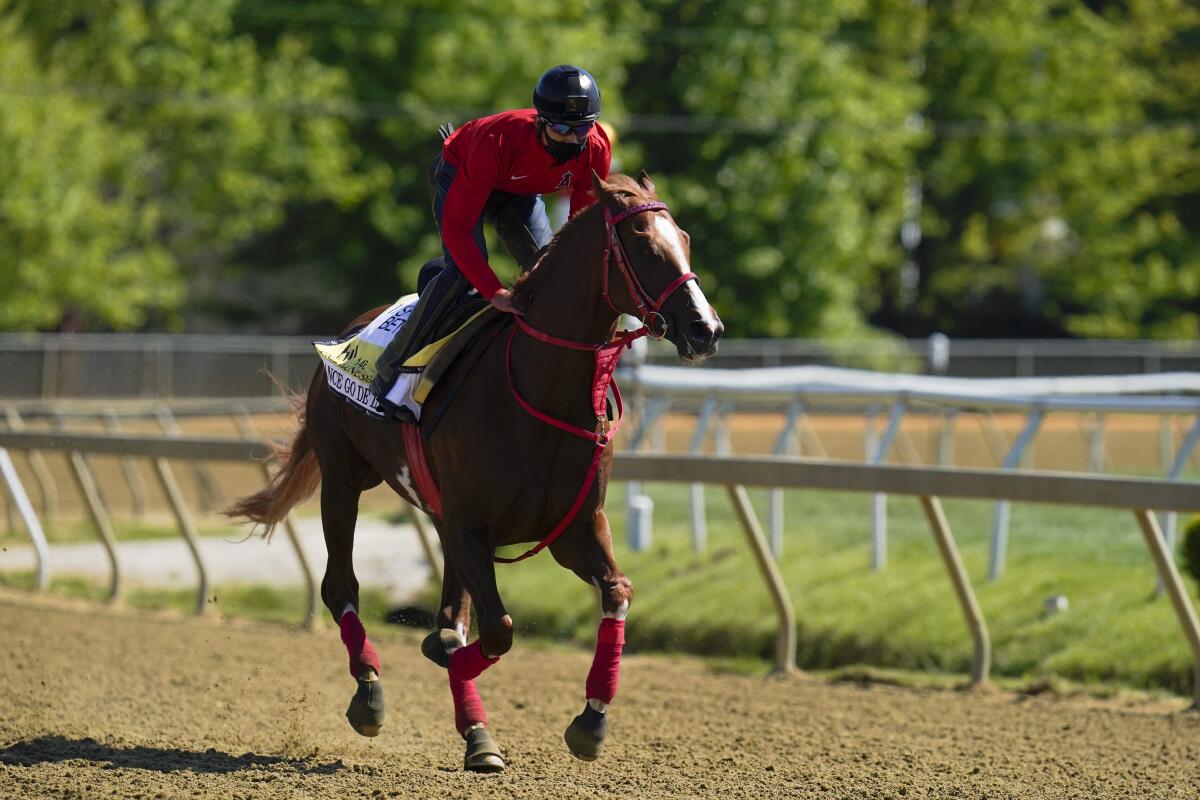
x,y
1001,510
59,424
210,494
638,526
129,468
41,472
785,444
187,529
17,492
1095,441
945,438
879,500
696,490
981,661
785,639
436,564
1169,573
1171,519
91,497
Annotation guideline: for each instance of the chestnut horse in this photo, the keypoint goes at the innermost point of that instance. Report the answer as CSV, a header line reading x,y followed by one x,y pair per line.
x,y
522,454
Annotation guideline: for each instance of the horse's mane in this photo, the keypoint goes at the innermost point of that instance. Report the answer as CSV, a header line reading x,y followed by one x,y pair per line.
x,y
525,288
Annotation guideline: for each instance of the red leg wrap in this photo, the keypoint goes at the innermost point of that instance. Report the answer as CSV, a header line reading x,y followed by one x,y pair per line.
x,y
468,706
354,636
466,664
602,678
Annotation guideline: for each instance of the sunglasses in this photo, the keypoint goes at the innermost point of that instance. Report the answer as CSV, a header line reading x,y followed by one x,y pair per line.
x,y
580,129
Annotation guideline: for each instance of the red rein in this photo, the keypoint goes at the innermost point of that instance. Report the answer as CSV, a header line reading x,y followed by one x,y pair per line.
x,y
606,354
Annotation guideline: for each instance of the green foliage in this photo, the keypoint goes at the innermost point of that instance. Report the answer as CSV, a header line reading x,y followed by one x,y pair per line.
x,y
1191,547
74,225
790,178
1054,176
157,141
261,163
413,66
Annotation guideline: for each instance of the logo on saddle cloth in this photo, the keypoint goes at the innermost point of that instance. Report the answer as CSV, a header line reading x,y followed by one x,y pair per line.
x,y
350,362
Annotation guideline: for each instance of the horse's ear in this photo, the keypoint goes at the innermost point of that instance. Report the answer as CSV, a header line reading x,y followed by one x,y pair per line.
x,y
599,186
644,181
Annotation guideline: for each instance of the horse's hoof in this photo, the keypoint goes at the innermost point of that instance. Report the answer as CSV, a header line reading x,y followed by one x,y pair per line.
x,y
483,754
366,708
438,646
585,734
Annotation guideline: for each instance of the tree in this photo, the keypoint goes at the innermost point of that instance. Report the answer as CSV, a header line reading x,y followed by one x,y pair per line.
x,y
1052,177
159,142
784,141
73,222
409,67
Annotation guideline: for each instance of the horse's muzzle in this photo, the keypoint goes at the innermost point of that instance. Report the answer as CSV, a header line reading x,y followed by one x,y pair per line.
x,y
698,339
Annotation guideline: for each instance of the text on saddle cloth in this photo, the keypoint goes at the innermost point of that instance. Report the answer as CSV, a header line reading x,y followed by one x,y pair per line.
x,y
350,361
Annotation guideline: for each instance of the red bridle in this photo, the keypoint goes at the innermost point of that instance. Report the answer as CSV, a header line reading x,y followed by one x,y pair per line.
x,y
647,306
606,355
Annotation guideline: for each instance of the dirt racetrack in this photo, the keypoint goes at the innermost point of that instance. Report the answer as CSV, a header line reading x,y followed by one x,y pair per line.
x,y
98,702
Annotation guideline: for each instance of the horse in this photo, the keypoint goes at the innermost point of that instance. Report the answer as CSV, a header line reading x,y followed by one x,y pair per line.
x,y
504,462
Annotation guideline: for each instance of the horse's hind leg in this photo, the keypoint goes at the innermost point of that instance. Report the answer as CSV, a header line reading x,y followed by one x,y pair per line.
x,y
590,557
341,486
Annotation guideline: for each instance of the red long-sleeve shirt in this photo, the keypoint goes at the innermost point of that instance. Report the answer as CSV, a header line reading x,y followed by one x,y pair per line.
x,y
502,152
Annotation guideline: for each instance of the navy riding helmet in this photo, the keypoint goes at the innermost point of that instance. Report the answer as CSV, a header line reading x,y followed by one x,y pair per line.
x,y
567,94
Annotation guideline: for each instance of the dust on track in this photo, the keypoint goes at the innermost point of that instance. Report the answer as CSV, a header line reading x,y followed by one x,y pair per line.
x,y
100,702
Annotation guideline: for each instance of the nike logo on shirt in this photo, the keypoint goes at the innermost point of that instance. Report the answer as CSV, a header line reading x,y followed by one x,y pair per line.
x,y
517,177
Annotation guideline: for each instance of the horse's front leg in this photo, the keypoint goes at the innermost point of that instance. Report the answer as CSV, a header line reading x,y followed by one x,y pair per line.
x,y
453,618
471,554
589,556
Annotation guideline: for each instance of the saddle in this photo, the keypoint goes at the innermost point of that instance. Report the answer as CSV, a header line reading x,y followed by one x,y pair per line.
x,y
350,362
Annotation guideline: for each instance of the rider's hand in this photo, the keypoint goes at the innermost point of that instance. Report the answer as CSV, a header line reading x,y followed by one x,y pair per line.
x,y
503,301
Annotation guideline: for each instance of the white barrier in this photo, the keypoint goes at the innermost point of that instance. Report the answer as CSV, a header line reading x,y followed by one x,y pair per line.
x,y
791,390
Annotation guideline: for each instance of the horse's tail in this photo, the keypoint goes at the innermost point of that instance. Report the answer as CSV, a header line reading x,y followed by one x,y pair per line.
x,y
299,478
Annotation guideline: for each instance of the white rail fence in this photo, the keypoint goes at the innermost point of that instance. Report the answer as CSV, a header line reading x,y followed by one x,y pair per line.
x,y
1137,495
798,392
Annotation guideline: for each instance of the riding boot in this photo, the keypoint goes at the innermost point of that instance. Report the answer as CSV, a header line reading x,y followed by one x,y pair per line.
x,y
439,296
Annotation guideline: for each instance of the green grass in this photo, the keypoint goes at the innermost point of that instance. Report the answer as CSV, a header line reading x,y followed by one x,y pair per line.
x,y
905,617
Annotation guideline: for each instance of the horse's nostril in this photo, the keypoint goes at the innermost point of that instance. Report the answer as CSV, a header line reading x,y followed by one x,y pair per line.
x,y
701,331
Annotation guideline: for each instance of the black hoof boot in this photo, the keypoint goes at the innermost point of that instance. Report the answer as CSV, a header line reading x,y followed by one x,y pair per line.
x,y
366,708
585,734
483,754
438,646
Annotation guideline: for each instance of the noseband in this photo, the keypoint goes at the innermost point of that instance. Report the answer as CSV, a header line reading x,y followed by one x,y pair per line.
x,y
647,305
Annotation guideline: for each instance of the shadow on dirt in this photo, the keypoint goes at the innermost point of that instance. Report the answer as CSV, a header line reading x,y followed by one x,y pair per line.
x,y
57,749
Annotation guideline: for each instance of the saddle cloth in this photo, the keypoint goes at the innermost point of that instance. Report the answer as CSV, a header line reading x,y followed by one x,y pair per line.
x,y
350,361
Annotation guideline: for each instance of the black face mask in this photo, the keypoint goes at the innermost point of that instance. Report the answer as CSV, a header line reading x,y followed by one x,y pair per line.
x,y
562,152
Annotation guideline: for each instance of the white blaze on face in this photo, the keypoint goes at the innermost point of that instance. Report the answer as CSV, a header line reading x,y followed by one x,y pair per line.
x,y
668,234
